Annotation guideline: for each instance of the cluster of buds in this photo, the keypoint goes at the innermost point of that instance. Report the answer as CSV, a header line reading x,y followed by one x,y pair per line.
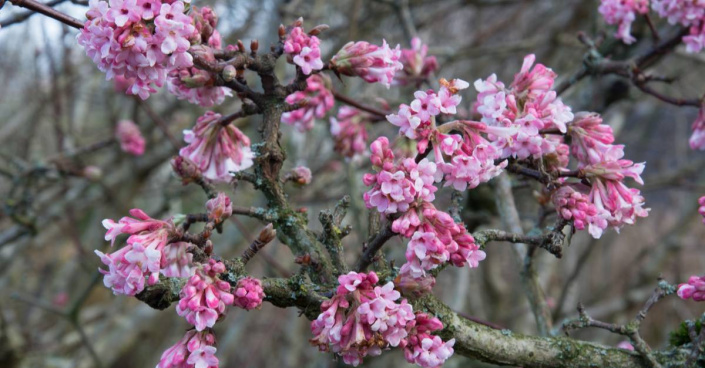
x,y
374,64
303,49
248,293
349,132
623,13
693,289
194,350
317,100
418,66
219,208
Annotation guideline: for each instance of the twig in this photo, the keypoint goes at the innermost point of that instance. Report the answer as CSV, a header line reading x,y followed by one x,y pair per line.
x,y
373,246
49,12
265,237
349,101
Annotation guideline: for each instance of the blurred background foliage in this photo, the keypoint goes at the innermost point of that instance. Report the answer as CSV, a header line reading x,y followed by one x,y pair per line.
x,y
57,117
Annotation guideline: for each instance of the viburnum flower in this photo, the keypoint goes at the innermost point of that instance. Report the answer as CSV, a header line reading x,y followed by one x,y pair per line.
x,y
141,257
194,350
349,132
136,43
196,86
362,319
590,139
176,260
370,62
528,106
693,289
219,208
318,100
409,282
623,12
303,49
205,296
248,293
417,66
424,349
217,150
697,139
395,188
572,203
701,209
684,12
129,137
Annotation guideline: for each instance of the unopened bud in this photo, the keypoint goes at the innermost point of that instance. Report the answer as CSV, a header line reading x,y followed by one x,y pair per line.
x,y
185,169
315,31
240,46
282,31
229,73
299,22
254,46
267,234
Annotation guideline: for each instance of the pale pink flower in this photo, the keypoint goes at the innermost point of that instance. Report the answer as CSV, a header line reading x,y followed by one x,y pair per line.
x,y
301,175
130,137
370,62
406,120
572,203
590,139
248,293
623,12
217,150
194,350
205,296
424,349
425,105
303,50
219,208
176,260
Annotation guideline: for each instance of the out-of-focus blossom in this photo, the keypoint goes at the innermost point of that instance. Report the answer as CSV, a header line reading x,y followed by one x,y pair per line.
x,y
194,350
417,65
697,139
318,100
349,132
130,137
623,12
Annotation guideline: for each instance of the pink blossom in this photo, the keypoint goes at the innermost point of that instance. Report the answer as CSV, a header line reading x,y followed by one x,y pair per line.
x,y
217,150
590,139
533,80
318,100
349,132
697,139
143,255
303,49
301,175
248,293
676,11
424,349
425,105
176,260
219,208
130,137
425,252
417,66
410,282
693,289
701,209
194,350
360,313
123,11
406,120
623,12
196,86
625,345
695,41
205,295
370,62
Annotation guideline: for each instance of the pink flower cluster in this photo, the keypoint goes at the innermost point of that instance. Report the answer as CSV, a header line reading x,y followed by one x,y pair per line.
x,y
248,293
141,40
362,318
146,254
370,62
219,208
623,12
194,350
528,106
686,13
192,84
129,137
303,49
417,121
701,209
572,202
318,100
204,297
396,187
602,164
349,132
215,149
697,139
435,239
418,66
693,289
424,349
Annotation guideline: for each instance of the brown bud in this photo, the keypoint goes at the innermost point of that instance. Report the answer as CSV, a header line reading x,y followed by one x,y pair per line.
x,y
282,31
299,22
240,46
185,169
267,234
254,46
208,248
315,31
229,73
